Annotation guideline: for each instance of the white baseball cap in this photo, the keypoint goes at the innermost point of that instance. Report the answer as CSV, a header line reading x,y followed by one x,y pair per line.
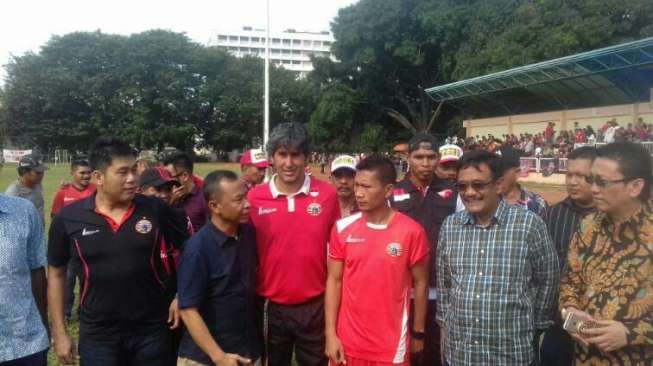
x,y
450,153
343,162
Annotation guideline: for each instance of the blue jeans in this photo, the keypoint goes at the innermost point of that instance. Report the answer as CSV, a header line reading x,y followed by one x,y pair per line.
x,y
37,359
152,348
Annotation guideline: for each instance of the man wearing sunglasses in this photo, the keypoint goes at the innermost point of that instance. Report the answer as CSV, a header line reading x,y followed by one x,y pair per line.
x,y
562,220
497,273
609,277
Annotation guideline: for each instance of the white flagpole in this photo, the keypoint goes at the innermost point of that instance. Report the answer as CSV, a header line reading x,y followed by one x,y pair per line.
x,y
266,107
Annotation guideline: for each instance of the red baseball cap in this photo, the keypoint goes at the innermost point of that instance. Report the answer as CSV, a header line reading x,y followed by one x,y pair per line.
x,y
254,157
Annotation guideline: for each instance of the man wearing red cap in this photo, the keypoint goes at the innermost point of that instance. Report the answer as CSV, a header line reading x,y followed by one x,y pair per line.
x,y
253,164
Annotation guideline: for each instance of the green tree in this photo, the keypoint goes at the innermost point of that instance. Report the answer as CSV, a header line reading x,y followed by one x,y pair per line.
x,y
333,116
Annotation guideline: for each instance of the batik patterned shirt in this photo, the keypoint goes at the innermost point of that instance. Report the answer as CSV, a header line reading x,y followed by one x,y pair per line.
x,y
610,276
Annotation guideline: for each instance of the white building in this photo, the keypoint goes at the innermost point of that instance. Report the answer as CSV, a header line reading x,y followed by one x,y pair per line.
x,y
290,49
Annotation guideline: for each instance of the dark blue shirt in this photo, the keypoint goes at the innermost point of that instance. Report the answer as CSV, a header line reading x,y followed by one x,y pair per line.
x,y
217,275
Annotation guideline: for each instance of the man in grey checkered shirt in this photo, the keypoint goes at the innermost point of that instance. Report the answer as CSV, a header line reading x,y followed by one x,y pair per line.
x,y
498,273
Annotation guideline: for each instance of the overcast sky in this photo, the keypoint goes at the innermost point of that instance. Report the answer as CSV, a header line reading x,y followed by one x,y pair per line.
x,y
25,25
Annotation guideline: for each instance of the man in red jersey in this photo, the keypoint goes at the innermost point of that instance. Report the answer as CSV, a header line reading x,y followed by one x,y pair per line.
x,y
375,257
80,187
293,215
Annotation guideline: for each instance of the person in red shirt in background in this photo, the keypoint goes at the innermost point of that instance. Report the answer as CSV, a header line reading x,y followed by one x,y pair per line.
x,y
253,165
580,136
79,188
548,133
292,215
375,258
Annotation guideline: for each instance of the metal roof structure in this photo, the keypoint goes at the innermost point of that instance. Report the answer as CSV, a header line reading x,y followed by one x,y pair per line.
x,y
621,74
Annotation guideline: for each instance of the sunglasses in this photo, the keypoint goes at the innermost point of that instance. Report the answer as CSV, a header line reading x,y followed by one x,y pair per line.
x,y
602,183
477,186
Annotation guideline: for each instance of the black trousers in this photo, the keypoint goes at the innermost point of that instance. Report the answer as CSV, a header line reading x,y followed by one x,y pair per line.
x,y
294,328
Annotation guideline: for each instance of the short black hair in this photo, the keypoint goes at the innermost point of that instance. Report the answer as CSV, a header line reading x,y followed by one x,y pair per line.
x,y
212,189
583,152
634,162
477,157
107,148
382,166
77,162
23,170
290,135
180,160
420,138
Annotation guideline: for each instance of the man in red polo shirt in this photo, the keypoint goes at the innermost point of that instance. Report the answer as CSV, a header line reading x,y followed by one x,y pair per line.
x,y
375,257
80,187
293,215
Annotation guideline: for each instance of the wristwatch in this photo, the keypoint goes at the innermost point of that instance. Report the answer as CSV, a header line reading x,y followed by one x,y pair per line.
x,y
418,335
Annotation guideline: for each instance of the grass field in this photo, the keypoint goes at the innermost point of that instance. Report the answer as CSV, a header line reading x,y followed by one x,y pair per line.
x,y
58,174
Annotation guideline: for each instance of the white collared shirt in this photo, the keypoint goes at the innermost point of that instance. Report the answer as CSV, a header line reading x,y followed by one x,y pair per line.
x,y
305,188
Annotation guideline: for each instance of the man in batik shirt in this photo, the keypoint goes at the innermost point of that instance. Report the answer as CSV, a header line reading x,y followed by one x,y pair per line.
x,y
609,281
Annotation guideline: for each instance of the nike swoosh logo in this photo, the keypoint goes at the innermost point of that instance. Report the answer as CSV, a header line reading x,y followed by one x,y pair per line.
x,y
89,232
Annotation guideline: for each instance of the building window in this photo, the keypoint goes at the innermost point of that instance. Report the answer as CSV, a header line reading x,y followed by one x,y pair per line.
x,y
286,42
296,62
307,43
317,43
326,44
275,52
233,38
285,52
256,39
244,49
244,39
276,41
223,38
296,52
296,42
286,62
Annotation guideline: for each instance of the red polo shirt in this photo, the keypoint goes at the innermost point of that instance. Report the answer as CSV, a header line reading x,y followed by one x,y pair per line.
x,y
292,234
69,194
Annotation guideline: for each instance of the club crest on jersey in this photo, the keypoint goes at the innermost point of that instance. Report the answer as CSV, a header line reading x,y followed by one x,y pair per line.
x,y
143,226
314,209
394,249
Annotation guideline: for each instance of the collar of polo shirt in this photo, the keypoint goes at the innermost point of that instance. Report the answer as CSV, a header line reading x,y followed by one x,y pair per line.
x,y
304,189
291,198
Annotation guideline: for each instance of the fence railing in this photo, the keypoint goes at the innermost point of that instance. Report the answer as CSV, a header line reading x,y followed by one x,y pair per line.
x,y
538,165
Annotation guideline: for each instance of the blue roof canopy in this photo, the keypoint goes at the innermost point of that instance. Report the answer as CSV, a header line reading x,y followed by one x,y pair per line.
x,y
620,74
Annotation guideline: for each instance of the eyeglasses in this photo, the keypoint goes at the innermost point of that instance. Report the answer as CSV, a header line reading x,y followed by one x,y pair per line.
x,y
477,186
602,183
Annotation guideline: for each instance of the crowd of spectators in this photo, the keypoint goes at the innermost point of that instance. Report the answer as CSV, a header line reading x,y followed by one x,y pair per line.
x,y
552,143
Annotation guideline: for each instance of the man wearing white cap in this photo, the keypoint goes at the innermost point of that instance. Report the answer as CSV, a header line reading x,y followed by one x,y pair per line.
x,y
343,172
447,168
253,164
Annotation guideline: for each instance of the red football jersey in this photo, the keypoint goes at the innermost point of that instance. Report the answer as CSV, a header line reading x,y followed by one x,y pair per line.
x,y
292,234
376,284
69,194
